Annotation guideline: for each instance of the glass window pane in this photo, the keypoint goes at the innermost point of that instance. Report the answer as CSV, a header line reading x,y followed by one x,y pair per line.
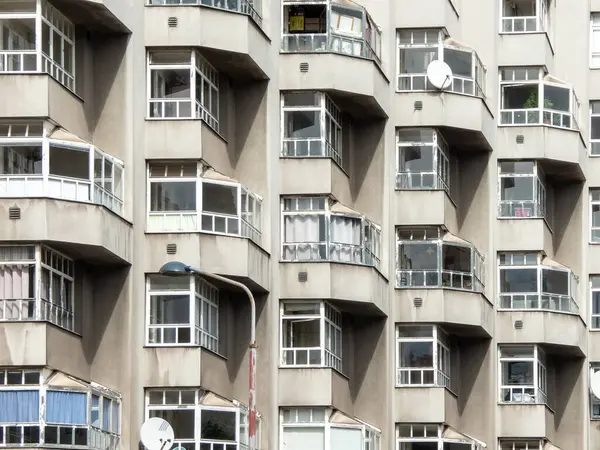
x,y
557,98
416,60
555,281
217,425
301,99
517,373
460,62
20,160
418,256
416,159
66,162
456,258
302,124
518,280
173,196
182,421
219,199
170,83
416,354
516,188
169,309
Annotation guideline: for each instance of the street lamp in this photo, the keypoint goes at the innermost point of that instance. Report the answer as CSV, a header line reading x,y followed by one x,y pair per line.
x,y
177,269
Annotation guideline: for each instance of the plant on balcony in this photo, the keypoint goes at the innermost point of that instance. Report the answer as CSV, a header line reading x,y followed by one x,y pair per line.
x,y
532,103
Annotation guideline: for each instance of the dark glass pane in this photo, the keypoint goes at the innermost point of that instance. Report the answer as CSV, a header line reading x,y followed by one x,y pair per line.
x,y
218,425
555,282
456,258
418,257
518,280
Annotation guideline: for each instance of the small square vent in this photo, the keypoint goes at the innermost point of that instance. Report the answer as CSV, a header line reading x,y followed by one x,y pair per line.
x,y
418,302
173,22
171,249
303,67
520,139
518,324
302,277
418,105
14,213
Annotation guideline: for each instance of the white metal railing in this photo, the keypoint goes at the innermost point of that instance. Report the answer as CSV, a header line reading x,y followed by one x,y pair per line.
x,y
409,376
204,114
57,72
13,310
170,108
521,209
240,6
329,251
207,340
175,334
537,116
308,356
521,24
543,302
295,42
418,180
9,438
18,61
324,42
217,445
111,201
173,221
522,394
305,147
221,223
437,278
332,360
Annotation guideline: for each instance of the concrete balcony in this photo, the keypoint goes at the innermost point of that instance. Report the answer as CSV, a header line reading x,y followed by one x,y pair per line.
x,y
240,54
84,231
234,257
461,312
426,405
357,85
314,387
108,16
524,235
525,49
561,331
326,177
425,208
532,421
359,286
427,14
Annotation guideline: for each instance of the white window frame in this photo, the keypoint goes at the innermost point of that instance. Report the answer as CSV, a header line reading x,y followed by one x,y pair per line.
x,y
540,21
535,393
328,113
594,202
521,444
542,114
594,28
523,209
441,371
250,8
594,315
594,114
474,86
406,433
330,336
594,401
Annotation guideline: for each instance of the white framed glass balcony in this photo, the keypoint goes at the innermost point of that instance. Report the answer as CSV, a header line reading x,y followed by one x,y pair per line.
x,y
595,40
594,401
428,257
250,8
303,428
37,38
423,356
530,281
595,215
524,16
40,160
318,229
523,374
595,127
433,436
529,96
311,126
422,160
523,444
47,408
330,27
188,196
522,190
311,334
595,302
182,85
37,284
419,47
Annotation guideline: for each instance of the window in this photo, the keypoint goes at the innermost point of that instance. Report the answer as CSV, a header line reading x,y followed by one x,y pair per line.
x,y
69,417
432,436
530,97
528,281
523,374
524,16
595,41
182,311
595,127
312,126
36,284
189,197
182,85
325,429
417,48
423,354
595,215
330,27
429,258
200,418
595,297
311,335
315,230
533,444
422,160
522,190
594,401
251,8
23,147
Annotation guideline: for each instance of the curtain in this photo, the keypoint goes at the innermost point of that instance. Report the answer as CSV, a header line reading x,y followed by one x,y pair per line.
x,y
14,282
303,229
19,406
304,438
66,407
346,438
347,232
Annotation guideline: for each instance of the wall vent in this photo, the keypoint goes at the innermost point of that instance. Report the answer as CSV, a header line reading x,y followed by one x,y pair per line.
x,y
520,138
418,302
173,22
418,105
14,213
302,277
303,67
171,249
518,324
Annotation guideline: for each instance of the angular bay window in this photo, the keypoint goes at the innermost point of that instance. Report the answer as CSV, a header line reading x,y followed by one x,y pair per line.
x,y
311,335
36,284
423,356
431,436
525,16
522,190
532,282
314,229
428,258
312,126
36,38
325,429
40,160
523,375
417,48
528,96
182,312
182,85
422,162
191,197
251,8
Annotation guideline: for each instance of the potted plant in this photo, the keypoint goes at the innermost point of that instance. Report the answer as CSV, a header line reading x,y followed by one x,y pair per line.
x,y
532,103
548,115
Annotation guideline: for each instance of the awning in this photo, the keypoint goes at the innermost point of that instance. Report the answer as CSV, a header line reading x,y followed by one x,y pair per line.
x,y
550,446
551,263
60,134
455,43
212,174
339,208
553,79
453,239
210,399
341,418
60,380
452,434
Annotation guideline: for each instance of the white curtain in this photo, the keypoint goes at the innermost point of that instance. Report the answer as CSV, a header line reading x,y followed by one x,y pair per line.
x,y
346,438
299,229
14,285
304,438
345,239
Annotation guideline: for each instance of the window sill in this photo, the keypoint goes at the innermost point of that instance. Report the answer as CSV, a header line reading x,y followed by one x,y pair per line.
x,y
425,386
46,322
526,404
199,347
529,218
448,288
316,367
319,158
190,119
397,189
328,261
548,125
542,310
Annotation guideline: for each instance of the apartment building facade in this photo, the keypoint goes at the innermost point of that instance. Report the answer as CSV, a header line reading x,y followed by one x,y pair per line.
x,y
387,229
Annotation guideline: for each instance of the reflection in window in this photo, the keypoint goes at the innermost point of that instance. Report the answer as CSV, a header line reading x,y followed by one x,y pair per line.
x,y
522,190
523,374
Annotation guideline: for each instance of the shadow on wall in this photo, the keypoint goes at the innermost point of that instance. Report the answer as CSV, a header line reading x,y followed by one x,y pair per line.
x,y
568,397
567,223
473,354
471,175
369,354
367,141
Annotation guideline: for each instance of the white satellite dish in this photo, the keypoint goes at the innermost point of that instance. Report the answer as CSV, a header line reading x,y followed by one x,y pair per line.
x,y
595,384
157,434
439,74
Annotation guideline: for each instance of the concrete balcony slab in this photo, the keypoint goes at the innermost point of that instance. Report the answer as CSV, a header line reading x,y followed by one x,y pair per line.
x,y
425,405
427,14
425,208
516,235
525,49
533,421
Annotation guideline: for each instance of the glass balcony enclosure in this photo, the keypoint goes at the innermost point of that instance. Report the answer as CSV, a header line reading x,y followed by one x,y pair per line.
x,y
524,16
429,257
318,229
250,8
523,374
522,190
419,47
37,38
529,96
326,26
433,436
38,159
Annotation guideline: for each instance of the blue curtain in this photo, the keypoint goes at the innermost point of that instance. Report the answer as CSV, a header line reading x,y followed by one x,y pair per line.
x,y
19,406
66,407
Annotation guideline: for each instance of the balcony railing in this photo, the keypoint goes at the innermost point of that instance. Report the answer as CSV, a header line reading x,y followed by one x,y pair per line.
x,y
416,376
27,310
329,251
521,209
537,302
420,181
522,394
537,116
238,6
522,24
328,42
437,278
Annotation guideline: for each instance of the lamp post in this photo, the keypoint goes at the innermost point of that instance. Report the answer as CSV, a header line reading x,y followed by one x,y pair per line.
x,y
177,268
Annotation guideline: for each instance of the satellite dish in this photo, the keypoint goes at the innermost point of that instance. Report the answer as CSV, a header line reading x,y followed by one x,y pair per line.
x,y
595,384
439,74
157,434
